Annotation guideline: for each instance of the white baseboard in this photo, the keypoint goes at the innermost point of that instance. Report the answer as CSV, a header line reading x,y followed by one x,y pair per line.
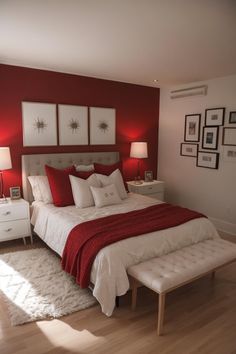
x,y
224,226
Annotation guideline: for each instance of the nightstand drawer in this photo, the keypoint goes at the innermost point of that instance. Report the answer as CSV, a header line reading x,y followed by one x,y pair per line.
x,y
14,229
13,212
151,189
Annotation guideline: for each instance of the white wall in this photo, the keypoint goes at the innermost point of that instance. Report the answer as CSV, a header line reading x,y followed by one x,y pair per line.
x,y
212,192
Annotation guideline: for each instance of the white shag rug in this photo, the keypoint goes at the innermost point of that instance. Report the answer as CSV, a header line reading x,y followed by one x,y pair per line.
x,y
35,287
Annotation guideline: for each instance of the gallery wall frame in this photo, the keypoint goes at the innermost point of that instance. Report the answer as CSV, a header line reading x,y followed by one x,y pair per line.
x,y
39,124
102,126
232,117
73,124
214,116
188,149
229,136
192,127
229,154
210,137
208,160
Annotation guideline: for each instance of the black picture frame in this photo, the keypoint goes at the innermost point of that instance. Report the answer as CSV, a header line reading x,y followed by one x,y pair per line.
x,y
210,137
232,117
207,159
193,149
192,127
214,117
229,136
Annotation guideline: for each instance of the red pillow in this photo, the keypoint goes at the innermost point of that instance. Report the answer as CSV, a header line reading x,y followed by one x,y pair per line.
x,y
60,185
107,169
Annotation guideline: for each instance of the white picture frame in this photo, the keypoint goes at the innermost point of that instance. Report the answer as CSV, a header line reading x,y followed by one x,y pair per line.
x,y
39,124
73,124
102,126
229,154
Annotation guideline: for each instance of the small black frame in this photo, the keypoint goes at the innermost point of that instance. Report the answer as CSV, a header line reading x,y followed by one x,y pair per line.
x,y
192,127
210,137
214,116
208,163
232,117
194,152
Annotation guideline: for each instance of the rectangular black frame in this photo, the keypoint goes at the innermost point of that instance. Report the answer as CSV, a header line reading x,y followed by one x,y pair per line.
x,y
198,116
181,149
231,114
223,136
216,165
215,147
221,122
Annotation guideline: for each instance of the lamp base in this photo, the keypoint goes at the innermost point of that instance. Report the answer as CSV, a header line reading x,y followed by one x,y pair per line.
x,y
138,180
3,200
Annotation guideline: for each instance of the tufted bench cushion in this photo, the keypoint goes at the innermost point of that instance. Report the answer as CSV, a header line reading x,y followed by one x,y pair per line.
x,y
177,268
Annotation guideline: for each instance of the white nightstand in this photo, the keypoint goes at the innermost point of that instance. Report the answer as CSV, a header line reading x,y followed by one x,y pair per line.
x,y
154,189
15,220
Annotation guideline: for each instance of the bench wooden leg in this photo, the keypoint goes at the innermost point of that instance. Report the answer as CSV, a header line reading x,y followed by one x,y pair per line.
x,y
161,310
134,293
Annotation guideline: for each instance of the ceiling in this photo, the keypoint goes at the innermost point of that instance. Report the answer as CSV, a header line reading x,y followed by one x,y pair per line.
x,y
136,41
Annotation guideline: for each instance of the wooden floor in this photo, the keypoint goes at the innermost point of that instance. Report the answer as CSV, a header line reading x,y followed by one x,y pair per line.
x,y
200,318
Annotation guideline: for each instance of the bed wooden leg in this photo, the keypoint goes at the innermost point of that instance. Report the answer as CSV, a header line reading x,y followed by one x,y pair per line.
x,y
161,310
134,294
117,301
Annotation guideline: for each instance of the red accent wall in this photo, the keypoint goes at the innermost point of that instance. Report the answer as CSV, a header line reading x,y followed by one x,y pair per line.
x,y
137,113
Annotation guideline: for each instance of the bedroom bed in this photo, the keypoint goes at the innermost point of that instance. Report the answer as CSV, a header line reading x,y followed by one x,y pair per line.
x,y
108,274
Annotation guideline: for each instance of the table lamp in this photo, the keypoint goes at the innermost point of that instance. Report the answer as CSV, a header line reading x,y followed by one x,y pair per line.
x,y
5,164
138,150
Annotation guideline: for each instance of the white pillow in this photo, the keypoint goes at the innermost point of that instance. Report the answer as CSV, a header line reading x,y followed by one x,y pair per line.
x,y
41,189
82,194
84,168
105,196
116,179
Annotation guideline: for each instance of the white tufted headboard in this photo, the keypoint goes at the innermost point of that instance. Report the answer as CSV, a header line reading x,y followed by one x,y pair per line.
x,y
33,165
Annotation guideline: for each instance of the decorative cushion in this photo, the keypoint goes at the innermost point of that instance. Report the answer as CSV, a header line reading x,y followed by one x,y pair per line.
x,y
107,169
116,179
84,168
105,196
82,194
83,174
41,189
60,185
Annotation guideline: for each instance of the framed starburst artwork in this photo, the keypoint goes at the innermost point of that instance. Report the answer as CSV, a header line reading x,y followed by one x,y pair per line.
x,y
102,126
73,124
39,124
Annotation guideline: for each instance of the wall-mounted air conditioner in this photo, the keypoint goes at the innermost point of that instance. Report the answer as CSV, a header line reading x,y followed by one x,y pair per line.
x,y
190,91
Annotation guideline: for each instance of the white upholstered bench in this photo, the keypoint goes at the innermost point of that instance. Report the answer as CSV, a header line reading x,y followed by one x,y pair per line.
x,y
168,272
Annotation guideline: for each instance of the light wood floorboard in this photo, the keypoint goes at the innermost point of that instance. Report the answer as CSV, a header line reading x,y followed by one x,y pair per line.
x,y
199,318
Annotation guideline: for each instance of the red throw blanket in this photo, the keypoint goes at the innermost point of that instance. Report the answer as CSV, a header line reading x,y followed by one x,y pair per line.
x,y
87,239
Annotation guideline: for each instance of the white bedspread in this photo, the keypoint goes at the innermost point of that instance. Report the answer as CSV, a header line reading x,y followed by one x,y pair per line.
x,y
108,273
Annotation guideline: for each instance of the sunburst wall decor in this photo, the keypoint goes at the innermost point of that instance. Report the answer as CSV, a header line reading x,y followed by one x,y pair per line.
x,y
102,126
39,124
73,124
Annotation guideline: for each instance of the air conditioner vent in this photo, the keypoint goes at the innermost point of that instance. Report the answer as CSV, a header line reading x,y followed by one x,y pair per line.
x,y
188,92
